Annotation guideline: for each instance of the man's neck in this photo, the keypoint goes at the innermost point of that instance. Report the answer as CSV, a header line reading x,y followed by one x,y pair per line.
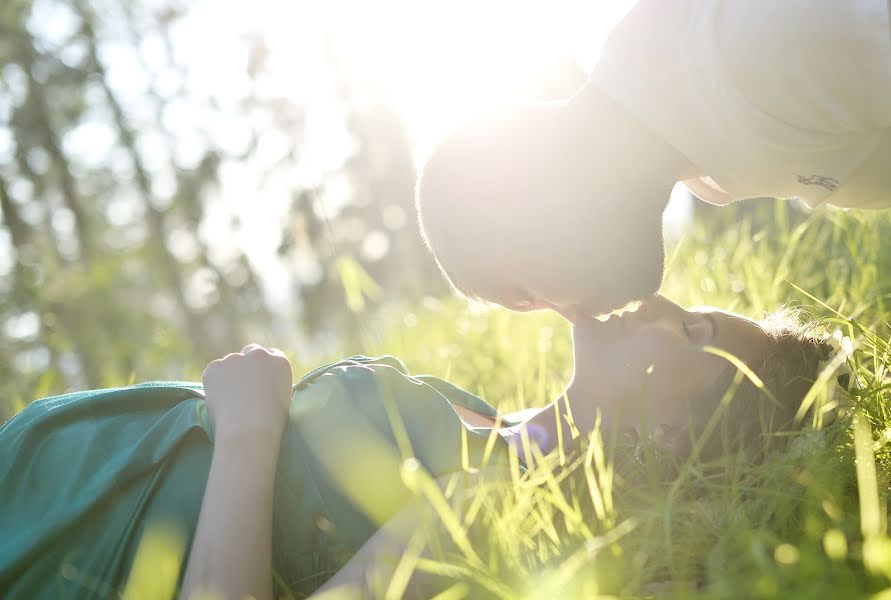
x,y
629,136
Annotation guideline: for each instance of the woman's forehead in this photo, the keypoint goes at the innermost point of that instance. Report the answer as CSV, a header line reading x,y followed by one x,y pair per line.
x,y
730,318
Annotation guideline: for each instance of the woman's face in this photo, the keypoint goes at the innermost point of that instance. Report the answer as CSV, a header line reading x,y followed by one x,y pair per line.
x,y
650,365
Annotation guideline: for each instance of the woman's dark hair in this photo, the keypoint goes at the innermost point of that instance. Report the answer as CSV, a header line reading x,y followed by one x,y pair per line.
x,y
755,418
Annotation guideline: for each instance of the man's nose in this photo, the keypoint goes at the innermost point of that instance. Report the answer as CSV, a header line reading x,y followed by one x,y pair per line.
x,y
570,312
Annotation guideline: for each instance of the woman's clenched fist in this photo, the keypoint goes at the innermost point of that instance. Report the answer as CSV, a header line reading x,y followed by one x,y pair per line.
x,y
248,392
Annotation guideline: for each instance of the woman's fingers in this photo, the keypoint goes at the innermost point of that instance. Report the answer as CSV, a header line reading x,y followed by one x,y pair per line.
x,y
254,346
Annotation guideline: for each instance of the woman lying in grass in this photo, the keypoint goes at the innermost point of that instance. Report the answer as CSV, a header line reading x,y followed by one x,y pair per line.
x,y
267,486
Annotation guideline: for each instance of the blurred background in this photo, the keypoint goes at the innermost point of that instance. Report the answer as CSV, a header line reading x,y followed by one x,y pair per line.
x,y
180,178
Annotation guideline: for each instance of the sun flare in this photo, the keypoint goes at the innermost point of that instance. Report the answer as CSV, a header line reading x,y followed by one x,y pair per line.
x,y
434,61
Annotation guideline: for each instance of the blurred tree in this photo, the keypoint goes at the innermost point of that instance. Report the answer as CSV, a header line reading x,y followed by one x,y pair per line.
x,y
119,258
377,227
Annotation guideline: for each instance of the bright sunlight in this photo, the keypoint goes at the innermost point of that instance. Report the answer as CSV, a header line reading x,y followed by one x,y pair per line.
x,y
281,317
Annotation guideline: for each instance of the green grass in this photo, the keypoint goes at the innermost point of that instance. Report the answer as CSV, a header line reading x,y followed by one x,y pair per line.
x,y
810,523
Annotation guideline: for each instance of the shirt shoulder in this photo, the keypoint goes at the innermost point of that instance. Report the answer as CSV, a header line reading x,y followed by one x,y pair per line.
x,y
767,99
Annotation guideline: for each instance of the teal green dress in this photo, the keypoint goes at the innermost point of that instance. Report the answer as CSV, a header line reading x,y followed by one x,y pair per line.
x,y
83,476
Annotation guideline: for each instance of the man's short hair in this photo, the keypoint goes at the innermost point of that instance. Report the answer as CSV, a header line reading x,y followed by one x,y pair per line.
x,y
522,190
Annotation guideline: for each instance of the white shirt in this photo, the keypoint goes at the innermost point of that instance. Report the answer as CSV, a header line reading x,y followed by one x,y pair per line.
x,y
783,98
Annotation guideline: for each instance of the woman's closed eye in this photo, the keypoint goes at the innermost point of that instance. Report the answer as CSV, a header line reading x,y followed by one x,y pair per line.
x,y
700,329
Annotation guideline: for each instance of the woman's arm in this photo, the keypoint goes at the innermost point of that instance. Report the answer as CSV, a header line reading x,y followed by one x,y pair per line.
x,y
247,396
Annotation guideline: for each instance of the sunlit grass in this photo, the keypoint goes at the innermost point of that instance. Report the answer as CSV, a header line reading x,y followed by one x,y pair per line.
x,y
156,566
806,522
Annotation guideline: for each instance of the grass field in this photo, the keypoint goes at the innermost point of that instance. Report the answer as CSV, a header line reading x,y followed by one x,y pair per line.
x,y
808,523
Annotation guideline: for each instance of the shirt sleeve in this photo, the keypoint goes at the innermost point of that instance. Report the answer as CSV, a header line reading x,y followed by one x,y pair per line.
x,y
707,190
784,99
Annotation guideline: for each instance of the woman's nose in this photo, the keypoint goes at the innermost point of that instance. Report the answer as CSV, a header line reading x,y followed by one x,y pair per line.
x,y
656,307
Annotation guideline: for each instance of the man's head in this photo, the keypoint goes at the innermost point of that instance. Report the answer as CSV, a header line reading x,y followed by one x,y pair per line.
x,y
546,206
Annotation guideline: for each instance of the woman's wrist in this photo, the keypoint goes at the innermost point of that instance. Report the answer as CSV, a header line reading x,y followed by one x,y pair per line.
x,y
258,441
251,426
252,439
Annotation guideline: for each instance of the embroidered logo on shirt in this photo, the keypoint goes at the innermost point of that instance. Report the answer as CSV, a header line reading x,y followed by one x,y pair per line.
x,y
827,182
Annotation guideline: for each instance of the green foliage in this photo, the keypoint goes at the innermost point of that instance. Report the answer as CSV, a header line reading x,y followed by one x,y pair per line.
x,y
612,521
804,523
87,300
126,251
